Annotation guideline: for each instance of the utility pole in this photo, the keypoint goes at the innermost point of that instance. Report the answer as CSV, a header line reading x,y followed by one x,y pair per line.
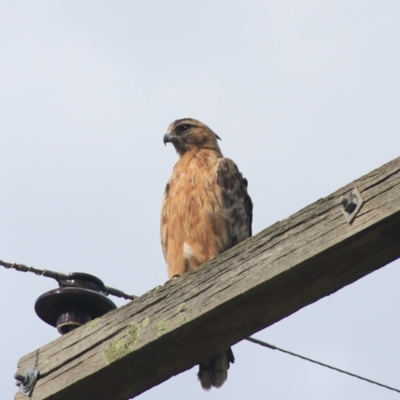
x,y
268,277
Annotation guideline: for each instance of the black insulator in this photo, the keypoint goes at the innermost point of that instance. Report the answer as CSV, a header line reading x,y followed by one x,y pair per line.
x,y
79,299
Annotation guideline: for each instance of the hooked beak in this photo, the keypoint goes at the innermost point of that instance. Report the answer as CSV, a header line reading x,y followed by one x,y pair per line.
x,y
167,138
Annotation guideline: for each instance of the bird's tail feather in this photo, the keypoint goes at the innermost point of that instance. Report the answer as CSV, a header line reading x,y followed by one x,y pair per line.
x,y
213,372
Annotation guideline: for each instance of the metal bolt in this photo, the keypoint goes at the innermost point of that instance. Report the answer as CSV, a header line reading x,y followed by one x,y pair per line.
x,y
27,380
21,378
349,203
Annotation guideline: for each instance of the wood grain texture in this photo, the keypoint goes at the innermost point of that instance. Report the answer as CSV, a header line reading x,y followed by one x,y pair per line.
x,y
286,267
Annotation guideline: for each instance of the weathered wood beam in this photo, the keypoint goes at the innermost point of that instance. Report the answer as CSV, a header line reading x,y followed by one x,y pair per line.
x,y
286,267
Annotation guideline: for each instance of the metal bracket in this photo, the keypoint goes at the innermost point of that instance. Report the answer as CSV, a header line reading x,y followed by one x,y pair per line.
x,y
351,204
27,380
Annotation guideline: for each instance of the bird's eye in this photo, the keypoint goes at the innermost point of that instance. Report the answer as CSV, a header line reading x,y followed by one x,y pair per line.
x,y
183,128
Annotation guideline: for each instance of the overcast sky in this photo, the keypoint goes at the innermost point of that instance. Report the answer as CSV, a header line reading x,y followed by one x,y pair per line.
x,y
305,96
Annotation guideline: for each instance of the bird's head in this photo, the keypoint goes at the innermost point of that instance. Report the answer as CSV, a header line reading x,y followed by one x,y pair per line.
x,y
189,134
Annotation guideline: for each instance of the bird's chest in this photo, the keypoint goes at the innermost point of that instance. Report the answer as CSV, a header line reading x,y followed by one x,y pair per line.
x,y
192,191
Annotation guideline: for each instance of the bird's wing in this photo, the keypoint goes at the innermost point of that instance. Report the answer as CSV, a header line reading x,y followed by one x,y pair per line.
x,y
236,201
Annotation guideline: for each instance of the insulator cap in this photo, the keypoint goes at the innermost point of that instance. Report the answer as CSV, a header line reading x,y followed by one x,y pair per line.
x,y
78,300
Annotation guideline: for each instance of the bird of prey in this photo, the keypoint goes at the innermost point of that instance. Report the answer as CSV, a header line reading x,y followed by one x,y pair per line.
x,y
206,210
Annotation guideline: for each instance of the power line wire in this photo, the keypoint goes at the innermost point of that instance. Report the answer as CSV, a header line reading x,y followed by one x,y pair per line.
x,y
272,347
60,278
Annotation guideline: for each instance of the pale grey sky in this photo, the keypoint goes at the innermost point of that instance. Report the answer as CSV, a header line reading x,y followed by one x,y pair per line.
x,y
305,96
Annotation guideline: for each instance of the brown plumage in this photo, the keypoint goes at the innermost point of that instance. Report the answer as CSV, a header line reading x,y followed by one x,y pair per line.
x,y
206,210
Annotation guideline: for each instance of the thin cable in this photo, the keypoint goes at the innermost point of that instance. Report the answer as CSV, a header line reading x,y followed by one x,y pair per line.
x,y
59,277
270,346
